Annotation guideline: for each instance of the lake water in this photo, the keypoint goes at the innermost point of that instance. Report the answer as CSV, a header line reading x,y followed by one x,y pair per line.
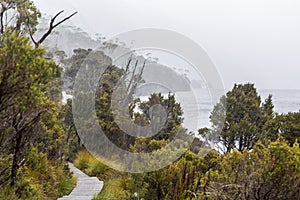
x,y
284,100
198,105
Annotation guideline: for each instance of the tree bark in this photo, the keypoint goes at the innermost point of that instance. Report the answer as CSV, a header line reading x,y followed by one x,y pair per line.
x,y
16,159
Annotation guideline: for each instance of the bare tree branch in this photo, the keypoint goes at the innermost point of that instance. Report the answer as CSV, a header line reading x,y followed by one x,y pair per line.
x,y
52,27
29,28
3,9
142,71
128,64
132,76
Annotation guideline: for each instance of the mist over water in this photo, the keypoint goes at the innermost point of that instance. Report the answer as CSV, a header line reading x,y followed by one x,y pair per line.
x,y
196,113
284,101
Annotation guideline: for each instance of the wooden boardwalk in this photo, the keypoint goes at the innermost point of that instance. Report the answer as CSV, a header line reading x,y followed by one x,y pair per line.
x,y
87,187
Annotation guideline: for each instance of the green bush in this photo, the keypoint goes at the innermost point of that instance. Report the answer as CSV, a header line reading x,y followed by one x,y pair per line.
x,y
39,178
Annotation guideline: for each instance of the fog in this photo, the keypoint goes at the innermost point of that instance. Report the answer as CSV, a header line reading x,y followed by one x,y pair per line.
x,y
249,41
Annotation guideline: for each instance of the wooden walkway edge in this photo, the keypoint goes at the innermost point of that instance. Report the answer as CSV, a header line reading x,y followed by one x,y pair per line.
x,y
86,188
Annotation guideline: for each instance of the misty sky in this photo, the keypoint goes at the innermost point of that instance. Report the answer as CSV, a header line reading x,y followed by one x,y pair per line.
x,y
249,41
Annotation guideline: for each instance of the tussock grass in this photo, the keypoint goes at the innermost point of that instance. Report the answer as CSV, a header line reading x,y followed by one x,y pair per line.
x,y
115,182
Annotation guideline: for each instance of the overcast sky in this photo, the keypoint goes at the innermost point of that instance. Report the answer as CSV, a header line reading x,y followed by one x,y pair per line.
x,y
249,41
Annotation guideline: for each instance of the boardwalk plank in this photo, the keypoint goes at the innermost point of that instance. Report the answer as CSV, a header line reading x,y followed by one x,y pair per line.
x,y
86,188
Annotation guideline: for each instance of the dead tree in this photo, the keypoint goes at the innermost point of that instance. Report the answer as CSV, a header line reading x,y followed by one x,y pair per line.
x,y
52,26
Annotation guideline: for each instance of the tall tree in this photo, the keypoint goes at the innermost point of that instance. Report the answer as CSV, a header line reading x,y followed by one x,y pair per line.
x,y
244,119
25,76
174,117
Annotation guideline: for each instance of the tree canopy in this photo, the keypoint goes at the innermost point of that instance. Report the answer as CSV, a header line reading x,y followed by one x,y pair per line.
x,y
245,117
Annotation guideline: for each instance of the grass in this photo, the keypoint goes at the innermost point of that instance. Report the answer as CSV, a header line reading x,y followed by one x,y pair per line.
x,y
116,184
113,190
93,167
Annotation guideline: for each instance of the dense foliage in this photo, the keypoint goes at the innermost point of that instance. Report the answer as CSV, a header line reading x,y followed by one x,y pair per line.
x,y
260,157
269,168
245,116
269,171
31,129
